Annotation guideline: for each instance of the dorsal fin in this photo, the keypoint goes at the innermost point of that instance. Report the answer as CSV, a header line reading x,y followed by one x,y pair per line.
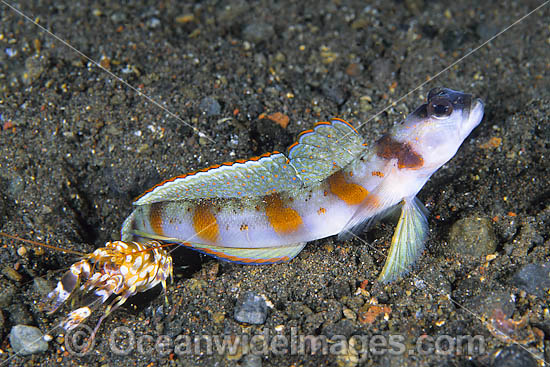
x,y
268,173
317,154
325,149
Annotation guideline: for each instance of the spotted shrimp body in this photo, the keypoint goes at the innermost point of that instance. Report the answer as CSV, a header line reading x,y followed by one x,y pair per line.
x,y
120,269
264,210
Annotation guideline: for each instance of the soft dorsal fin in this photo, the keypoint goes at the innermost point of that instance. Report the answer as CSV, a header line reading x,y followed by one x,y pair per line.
x,y
271,172
317,154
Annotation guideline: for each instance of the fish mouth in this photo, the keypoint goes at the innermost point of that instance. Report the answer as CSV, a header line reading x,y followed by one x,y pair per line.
x,y
478,104
472,115
476,111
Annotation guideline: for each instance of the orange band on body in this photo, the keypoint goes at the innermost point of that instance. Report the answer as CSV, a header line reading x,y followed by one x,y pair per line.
x,y
205,223
350,193
284,220
155,218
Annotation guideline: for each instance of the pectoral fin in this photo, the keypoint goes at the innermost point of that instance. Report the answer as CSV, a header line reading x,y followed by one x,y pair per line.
x,y
408,240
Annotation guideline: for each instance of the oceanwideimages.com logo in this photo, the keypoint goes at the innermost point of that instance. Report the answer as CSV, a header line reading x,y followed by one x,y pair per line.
x,y
124,341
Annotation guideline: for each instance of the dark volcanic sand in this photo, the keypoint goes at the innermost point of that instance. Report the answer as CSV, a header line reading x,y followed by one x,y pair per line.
x,y
78,146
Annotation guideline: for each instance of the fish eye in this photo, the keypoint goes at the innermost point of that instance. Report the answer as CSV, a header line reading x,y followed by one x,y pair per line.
x,y
440,108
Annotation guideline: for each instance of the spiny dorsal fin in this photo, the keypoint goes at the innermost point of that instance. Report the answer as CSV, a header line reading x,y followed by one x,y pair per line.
x,y
325,149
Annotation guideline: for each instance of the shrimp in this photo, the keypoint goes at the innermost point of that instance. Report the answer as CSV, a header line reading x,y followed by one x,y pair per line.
x,y
116,272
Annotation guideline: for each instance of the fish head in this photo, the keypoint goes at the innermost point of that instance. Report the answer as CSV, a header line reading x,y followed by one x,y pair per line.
x,y
436,129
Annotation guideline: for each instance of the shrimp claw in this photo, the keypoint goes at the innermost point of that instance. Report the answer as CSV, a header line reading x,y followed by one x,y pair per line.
x,y
120,269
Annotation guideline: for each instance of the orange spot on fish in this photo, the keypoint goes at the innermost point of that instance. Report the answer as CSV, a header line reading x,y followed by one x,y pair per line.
x,y
205,223
321,211
155,218
284,220
389,148
377,173
350,193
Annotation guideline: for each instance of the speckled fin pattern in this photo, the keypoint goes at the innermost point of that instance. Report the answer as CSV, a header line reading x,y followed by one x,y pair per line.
x,y
325,149
317,154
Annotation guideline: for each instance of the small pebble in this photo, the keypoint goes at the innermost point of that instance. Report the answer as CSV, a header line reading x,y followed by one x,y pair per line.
x,y
452,39
19,314
7,293
251,360
382,70
349,314
210,106
27,340
343,327
257,32
22,251
473,236
533,278
185,18
251,309
280,119
16,184
514,356
34,67
334,92
153,23
11,273
486,30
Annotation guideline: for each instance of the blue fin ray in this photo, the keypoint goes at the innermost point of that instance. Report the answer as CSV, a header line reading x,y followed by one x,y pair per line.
x,y
407,241
325,149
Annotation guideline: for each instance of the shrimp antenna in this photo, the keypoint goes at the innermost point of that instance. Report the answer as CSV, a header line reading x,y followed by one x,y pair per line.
x,y
40,244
